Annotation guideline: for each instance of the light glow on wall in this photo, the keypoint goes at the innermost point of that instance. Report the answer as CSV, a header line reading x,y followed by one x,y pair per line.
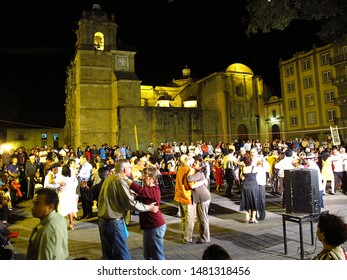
x,y
190,104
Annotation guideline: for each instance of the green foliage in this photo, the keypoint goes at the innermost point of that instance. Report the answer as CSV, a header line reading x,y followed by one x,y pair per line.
x,y
268,15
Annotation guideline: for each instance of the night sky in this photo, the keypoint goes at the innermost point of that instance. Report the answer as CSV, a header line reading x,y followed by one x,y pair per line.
x,y
39,38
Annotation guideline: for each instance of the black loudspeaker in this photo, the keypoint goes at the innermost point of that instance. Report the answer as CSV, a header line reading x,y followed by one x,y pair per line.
x,y
301,191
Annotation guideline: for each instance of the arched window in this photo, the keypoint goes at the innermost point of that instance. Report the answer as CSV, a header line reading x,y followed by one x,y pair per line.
x,y
99,41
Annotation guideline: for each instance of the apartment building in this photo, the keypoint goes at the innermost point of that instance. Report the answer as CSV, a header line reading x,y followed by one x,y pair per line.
x,y
309,94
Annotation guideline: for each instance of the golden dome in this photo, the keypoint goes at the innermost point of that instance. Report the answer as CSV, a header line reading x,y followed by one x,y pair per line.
x,y
239,68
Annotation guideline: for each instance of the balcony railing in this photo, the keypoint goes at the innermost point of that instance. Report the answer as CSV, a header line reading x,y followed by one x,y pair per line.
x,y
338,59
341,121
340,100
340,80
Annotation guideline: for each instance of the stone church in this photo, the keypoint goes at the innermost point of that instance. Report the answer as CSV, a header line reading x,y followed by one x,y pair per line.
x,y
107,103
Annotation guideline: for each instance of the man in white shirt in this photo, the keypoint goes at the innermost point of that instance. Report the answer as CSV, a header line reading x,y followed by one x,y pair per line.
x,y
284,164
228,164
84,175
42,159
248,146
262,168
338,158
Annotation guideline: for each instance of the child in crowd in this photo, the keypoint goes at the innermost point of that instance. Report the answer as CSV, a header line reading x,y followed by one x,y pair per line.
x,y
8,196
4,211
37,182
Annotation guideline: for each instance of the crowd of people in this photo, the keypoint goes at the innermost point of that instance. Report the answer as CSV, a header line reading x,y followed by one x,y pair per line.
x,y
116,181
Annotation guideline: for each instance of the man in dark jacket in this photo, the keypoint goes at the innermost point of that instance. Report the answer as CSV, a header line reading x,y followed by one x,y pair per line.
x,y
103,173
31,167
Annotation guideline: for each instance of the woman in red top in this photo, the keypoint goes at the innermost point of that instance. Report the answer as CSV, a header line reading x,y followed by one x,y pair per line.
x,y
218,168
152,224
87,153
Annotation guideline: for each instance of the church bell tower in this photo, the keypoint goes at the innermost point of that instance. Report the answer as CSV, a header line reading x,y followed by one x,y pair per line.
x,y
101,79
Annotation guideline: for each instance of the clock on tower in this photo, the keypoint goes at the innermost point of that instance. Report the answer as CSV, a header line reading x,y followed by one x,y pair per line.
x,y
122,61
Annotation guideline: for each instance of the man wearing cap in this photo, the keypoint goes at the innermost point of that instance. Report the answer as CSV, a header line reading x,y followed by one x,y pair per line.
x,y
31,167
51,179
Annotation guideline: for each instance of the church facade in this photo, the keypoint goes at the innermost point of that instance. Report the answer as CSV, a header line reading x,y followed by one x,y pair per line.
x,y
107,103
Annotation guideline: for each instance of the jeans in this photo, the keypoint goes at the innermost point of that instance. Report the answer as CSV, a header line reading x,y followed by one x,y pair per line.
x,y
113,239
153,243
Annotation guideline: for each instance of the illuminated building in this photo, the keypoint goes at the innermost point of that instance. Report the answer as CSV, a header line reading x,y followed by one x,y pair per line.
x,y
107,103
308,93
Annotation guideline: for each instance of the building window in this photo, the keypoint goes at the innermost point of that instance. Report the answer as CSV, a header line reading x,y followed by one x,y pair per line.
x,y
331,115
329,96
290,86
326,76
240,90
44,136
309,100
289,70
344,51
293,120
274,115
307,82
325,58
55,136
292,104
311,118
306,64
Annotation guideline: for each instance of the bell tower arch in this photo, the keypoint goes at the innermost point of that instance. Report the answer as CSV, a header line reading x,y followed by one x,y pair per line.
x,y
96,27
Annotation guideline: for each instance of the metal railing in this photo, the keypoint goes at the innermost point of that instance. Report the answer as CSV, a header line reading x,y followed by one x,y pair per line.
x,y
338,59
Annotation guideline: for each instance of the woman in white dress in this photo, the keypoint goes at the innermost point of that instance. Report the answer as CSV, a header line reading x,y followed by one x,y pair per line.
x,y
67,195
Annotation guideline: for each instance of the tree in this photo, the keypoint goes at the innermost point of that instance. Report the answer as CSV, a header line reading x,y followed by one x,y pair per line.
x,y
268,15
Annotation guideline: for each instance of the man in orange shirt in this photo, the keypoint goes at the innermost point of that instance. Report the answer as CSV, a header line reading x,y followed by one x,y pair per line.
x,y
183,195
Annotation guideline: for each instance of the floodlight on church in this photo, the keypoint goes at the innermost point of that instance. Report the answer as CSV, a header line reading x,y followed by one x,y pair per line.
x,y
191,102
163,102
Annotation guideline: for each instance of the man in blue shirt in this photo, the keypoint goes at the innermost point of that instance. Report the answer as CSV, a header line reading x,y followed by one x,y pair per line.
x,y
123,151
